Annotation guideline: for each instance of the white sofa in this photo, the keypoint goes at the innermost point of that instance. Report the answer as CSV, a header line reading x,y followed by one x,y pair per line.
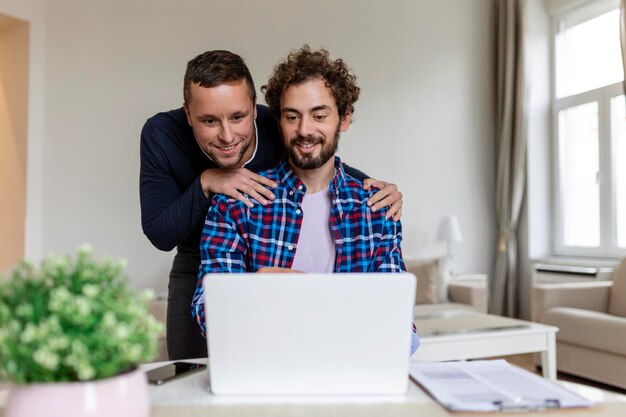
x,y
436,292
460,296
591,318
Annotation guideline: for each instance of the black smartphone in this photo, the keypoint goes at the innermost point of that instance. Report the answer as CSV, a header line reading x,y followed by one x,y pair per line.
x,y
172,371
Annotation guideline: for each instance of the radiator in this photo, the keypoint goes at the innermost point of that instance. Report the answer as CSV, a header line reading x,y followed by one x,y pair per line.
x,y
546,274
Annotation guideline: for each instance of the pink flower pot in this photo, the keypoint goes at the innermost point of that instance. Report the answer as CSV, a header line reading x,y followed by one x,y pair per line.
x,y
125,395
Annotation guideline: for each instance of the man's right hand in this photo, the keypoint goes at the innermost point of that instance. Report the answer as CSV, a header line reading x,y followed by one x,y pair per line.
x,y
234,182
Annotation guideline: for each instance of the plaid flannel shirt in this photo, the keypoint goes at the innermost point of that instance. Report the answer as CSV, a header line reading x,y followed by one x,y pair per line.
x,y
237,238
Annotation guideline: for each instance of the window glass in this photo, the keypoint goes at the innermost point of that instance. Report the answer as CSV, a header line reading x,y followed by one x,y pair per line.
x,y
579,166
588,55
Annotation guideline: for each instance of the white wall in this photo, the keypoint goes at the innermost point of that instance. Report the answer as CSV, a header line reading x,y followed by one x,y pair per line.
x,y
424,119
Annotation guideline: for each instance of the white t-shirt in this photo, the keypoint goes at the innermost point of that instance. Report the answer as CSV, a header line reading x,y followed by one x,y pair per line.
x,y
315,251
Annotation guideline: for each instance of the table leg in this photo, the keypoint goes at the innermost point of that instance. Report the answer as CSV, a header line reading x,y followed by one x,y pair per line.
x,y
548,358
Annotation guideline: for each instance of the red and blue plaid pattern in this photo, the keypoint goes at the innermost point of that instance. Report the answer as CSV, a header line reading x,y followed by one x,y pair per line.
x,y
237,238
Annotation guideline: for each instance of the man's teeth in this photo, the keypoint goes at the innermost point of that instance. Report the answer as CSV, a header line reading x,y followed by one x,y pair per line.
x,y
227,148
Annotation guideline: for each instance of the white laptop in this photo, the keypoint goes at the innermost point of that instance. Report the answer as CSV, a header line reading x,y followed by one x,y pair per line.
x,y
309,334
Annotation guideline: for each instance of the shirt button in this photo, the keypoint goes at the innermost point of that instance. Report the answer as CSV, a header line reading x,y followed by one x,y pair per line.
x,y
298,211
290,247
290,192
299,187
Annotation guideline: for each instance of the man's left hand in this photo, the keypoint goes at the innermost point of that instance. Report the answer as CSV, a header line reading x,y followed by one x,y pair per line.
x,y
386,196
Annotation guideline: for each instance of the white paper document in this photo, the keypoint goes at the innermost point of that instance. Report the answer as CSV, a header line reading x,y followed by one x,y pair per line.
x,y
491,386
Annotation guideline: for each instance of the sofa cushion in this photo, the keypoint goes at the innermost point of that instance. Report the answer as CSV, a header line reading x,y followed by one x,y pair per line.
x,y
617,301
591,329
426,274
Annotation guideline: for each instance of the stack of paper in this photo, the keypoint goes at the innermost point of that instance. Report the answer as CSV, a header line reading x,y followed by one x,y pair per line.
x,y
491,386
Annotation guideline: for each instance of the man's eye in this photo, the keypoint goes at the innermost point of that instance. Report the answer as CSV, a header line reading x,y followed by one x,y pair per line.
x,y
209,122
292,117
319,117
238,117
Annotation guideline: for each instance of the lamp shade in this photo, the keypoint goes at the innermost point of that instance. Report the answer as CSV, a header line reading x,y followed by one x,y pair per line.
x,y
449,230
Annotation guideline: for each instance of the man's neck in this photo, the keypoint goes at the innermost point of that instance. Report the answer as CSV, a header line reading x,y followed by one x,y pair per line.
x,y
316,179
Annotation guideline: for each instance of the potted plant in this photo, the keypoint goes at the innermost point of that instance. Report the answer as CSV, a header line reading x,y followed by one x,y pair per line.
x,y
71,336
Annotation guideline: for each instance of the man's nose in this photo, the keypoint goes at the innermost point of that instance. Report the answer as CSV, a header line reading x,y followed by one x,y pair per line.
x,y
226,133
306,127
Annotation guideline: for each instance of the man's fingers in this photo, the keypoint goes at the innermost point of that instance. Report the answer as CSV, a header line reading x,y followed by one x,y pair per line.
x,y
238,196
254,194
395,211
373,183
262,180
261,191
398,215
385,202
378,197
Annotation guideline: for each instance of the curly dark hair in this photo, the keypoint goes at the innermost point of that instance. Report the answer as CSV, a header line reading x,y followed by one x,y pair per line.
x,y
214,68
304,65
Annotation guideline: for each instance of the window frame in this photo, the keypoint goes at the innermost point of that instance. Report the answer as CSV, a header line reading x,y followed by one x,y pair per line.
x,y
608,217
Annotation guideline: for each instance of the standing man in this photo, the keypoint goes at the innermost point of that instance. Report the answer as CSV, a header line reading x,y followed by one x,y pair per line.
x,y
213,144
319,220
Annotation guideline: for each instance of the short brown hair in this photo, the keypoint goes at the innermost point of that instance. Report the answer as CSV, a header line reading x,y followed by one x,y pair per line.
x,y
304,65
215,68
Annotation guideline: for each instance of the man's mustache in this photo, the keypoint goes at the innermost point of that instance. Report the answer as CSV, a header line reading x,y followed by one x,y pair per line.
x,y
305,140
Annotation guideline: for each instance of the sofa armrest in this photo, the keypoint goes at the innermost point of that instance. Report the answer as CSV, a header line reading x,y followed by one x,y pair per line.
x,y
473,294
584,295
588,329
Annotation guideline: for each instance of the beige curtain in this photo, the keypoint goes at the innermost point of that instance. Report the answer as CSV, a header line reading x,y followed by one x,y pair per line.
x,y
622,30
510,153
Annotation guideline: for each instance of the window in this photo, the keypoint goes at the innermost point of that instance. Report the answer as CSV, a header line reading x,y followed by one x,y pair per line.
x,y
590,133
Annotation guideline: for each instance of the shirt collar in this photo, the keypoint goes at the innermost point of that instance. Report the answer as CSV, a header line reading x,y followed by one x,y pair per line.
x,y
289,179
256,144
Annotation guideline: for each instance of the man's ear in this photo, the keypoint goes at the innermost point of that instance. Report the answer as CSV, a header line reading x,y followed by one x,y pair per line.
x,y
187,113
346,119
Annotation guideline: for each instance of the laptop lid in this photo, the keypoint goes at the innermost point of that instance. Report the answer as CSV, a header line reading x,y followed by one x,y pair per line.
x,y
309,333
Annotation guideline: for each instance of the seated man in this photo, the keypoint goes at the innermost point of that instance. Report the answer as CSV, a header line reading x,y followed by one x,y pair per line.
x,y
319,220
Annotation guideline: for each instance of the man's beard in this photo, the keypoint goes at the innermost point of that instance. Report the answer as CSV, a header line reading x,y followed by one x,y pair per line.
x,y
308,161
233,162
220,162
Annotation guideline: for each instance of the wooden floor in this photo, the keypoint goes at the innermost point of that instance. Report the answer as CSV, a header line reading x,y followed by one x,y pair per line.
x,y
527,362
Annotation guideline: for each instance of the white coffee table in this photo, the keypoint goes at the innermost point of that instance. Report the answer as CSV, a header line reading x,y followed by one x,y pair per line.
x,y
461,335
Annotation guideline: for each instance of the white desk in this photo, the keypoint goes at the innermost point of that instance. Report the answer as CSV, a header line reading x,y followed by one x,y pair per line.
x,y
467,335
190,396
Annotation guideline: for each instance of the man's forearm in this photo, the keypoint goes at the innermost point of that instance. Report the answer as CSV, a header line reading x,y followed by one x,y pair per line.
x,y
167,224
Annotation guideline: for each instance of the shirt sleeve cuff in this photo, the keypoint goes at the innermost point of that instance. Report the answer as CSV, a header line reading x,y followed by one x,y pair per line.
x,y
200,196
